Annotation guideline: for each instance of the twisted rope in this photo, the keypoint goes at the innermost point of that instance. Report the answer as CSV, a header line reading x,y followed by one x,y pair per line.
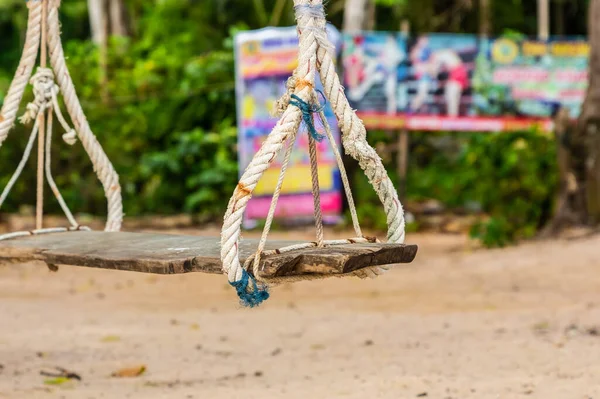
x,y
354,137
52,230
298,105
249,293
46,98
10,108
102,166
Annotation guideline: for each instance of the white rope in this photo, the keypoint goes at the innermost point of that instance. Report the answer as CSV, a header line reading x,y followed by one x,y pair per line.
x,y
46,98
102,166
45,92
249,293
316,191
272,208
343,174
48,170
280,107
22,163
354,139
13,98
315,52
52,230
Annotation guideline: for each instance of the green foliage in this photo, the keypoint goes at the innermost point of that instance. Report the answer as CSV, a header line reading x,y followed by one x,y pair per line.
x,y
512,176
521,180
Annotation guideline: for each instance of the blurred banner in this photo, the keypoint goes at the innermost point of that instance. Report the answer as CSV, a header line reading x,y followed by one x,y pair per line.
x,y
527,78
460,82
265,59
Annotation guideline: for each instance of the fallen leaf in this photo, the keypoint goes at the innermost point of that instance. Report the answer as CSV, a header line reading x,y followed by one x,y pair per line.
x,y
56,381
195,326
129,372
61,373
276,352
111,338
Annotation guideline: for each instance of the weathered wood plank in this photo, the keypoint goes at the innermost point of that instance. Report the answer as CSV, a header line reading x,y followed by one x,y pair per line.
x,y
174,254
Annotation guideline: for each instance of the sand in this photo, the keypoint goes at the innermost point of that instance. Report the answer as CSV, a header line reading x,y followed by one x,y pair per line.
x,y
457,323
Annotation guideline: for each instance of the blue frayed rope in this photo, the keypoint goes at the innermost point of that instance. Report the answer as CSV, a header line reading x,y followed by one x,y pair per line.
x,y
250,298
307,114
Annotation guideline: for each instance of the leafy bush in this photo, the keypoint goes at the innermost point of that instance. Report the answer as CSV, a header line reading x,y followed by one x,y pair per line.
x,y
515,184
512,176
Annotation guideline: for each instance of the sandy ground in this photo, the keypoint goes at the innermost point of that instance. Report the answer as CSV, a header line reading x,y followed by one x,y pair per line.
x,y
457,323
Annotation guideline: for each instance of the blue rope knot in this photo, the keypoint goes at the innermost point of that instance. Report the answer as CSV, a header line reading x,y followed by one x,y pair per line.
x,y
307,114
250,298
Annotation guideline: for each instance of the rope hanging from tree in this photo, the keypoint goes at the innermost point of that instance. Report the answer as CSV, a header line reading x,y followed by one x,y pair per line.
x,y
43,33
299,105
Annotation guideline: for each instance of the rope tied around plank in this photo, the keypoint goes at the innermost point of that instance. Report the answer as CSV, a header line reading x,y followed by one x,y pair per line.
x,y
297,105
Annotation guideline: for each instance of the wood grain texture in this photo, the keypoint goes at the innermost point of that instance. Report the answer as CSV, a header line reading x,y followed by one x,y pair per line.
x,y
175,254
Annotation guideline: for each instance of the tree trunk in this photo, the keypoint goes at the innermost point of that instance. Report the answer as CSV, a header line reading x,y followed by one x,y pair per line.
x,y
559,18
107,18
578,201
118,18
98,22
356,15
543,19
485,22
589,121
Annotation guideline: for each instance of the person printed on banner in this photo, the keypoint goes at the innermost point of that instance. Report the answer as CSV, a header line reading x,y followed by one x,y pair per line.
x,y
420,56
353,65
428,64
381,68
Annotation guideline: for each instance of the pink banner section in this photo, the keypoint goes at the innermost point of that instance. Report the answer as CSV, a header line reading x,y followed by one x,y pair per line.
x,y
295,205
381,120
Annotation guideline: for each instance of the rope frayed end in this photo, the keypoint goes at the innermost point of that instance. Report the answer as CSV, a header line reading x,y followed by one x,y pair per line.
x,y
250,293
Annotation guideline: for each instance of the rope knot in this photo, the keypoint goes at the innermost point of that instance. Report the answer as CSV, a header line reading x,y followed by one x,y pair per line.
x,y
70,137
44,90
307,114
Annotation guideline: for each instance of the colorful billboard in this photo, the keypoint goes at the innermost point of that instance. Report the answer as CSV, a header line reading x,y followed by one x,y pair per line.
x,y
462,82
522,77
265,59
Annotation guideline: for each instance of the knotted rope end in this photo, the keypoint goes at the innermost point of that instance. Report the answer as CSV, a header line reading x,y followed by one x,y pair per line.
x,y
28,116
250,293
70,137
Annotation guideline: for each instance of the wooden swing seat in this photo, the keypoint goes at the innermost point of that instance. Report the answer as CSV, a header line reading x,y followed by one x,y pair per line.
x,y
176,254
